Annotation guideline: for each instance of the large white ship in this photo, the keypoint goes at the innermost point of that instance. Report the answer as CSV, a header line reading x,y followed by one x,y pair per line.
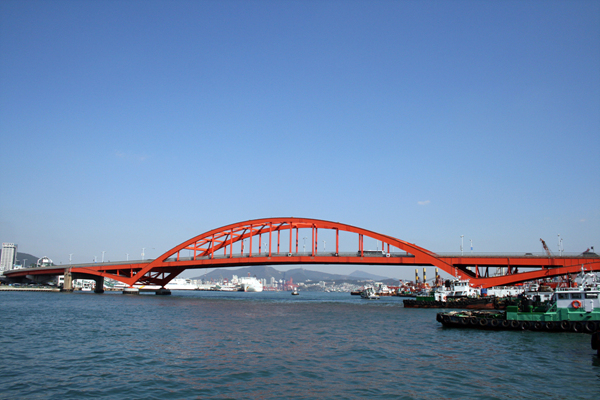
x,y
181,284
250,284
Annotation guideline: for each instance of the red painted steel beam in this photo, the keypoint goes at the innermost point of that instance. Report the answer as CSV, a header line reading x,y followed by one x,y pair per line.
x,y
173,268
206,245
532,275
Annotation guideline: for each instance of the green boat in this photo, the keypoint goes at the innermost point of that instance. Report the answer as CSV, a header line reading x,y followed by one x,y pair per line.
x,y
569,310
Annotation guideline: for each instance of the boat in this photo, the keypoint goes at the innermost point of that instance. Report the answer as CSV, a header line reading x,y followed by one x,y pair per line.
x,y
181,284
369,294
539,293
383,290
226,286
574,309
250,284
459,293
295,292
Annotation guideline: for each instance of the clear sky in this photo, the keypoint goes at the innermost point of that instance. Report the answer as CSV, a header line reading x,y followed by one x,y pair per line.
x,y
140,124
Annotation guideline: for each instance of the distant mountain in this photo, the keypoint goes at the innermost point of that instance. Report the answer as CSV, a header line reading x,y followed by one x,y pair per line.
x,y
366,275
297,275
258,271
304,275
27,258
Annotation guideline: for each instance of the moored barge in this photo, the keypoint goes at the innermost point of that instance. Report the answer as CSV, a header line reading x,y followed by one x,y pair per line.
x,y
465,303
569,310
460,294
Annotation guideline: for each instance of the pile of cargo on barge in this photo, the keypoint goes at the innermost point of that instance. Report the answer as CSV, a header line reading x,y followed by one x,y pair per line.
x,y
569,310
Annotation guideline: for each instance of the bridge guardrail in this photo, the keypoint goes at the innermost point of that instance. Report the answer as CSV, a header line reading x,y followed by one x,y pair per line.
x,y
517,254
299,254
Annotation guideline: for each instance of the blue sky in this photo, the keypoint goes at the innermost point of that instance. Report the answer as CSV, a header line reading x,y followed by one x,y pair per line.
x,y
139,124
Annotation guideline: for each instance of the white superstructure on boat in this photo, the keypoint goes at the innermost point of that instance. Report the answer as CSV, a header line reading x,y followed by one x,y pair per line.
x,y
250,284
181,284
455,288
503,291
369,294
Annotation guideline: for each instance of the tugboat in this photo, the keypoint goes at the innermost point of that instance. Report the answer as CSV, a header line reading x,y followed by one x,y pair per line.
x,y
569,310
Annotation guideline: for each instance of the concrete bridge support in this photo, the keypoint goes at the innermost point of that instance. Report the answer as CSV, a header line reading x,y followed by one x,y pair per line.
x,y
131,290
68,282
99,284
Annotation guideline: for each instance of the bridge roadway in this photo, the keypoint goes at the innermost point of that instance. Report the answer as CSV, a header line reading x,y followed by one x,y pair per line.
x,y
476,264
215,249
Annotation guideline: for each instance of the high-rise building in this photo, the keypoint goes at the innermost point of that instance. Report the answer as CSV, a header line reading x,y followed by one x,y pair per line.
x,y
9,256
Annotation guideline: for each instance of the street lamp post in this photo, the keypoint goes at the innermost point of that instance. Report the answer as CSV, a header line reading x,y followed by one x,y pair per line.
x,y
461,244
304,245
143,248
127,256
103,255
560,248
70,257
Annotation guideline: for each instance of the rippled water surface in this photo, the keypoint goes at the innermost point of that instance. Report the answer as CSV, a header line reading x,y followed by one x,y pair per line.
x,y
273,345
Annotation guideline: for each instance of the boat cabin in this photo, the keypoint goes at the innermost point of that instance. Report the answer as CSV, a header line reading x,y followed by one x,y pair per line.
x,y
585,297
587,300
455,289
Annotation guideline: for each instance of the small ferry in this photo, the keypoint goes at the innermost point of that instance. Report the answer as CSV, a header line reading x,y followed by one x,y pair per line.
x,y
570,309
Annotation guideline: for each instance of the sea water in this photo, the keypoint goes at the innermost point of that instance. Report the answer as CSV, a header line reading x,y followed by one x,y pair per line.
x,y
271,345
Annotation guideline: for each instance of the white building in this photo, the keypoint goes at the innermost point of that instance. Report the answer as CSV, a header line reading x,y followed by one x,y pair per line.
x,y
9,257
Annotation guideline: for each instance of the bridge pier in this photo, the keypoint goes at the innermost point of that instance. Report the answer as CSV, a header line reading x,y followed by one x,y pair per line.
x,y
131,290
68,281
163,292
99,284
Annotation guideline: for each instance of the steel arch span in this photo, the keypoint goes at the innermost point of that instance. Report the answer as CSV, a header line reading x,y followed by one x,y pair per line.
x,y
236,245
215,248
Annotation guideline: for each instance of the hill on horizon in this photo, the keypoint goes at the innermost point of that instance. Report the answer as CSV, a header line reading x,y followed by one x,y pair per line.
x,y
296,274
366,275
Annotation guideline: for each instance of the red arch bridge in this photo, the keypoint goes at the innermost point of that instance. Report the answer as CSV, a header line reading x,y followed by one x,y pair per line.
x,y
276,241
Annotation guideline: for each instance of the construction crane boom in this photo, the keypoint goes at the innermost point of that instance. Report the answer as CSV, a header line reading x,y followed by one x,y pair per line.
x,y
546,247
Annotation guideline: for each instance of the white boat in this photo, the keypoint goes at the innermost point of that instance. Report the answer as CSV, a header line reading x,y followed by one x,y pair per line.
x,y
181,284
502,291
226,287
539,293
250,284
382,289
455,288
295,292
369,294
